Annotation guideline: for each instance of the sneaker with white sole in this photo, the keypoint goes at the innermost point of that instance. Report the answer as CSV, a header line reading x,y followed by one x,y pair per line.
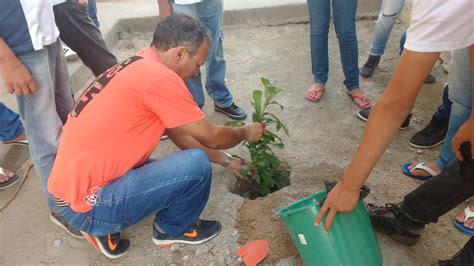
x,y
58,220
110,245
201,232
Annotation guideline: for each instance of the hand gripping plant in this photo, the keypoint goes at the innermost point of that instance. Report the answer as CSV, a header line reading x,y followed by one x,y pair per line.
x,y
265,167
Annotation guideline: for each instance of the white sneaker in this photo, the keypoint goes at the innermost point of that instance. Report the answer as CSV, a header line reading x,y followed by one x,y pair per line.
x,y
69,54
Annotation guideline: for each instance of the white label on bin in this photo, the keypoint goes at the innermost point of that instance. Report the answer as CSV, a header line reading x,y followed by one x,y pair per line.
x,y
302,239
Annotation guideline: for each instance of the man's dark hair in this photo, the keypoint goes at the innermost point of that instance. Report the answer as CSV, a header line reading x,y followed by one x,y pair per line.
x,y
178,30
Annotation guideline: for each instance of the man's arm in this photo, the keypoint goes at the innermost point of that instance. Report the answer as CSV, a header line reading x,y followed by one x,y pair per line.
x,y
382,127
14,74
185,141
164,8
220,137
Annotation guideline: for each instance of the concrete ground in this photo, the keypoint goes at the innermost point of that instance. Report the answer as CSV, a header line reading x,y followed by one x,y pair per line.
x,y
322,138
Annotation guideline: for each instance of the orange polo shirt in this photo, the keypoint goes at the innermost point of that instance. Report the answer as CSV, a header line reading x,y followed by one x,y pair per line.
x,y
117,124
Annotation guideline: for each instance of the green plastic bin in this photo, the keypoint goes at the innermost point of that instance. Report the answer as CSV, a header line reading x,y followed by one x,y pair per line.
x,y
350,241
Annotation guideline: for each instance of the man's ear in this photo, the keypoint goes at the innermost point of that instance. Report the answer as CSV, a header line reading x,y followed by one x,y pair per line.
x,y
180,53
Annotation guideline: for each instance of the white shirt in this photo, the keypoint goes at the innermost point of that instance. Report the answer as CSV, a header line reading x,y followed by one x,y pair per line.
x,y
186,2
440,25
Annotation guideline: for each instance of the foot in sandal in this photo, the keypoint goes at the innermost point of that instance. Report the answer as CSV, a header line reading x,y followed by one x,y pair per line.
x,y
315,92
20,140
7,178
359,98
464,221
421,171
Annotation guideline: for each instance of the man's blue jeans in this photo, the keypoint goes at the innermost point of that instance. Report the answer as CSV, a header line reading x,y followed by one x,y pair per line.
x,y
92,11
460,93
209,12
10,124
344,12
45,111
175,187
389,13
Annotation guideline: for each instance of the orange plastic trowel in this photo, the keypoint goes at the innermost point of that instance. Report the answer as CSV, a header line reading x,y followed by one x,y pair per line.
x,y
253,252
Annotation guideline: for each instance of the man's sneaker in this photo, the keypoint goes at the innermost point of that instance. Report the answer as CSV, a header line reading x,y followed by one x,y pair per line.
x,y
363,114
58,220
232,111
430,79
110,245
69,54
394,222
368,69
201,232
432,135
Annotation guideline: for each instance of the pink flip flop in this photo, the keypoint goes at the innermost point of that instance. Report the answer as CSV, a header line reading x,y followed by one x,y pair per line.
x,y
358,100
313,92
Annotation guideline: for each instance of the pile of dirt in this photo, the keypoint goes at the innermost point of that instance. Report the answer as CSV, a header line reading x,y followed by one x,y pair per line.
x,y
256,220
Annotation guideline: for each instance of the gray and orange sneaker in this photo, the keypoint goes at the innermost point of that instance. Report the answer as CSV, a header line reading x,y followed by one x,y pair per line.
x,y
201,232
110,245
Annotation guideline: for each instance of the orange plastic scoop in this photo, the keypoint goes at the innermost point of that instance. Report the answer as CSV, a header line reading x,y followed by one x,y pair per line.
x,y
253,252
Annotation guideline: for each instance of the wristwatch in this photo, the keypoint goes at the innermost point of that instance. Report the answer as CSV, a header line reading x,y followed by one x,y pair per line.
x,y
227,160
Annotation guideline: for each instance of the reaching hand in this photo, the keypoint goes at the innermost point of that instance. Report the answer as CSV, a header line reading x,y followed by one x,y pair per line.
x,y
235,166
16,77
254,131
464,134
339,199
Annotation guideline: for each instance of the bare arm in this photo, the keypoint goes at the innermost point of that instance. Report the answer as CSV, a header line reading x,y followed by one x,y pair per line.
x,y
15,75
382,127
220,137
185,141
164,8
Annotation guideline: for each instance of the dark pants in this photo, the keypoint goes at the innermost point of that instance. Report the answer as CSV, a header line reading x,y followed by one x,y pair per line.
x,y
442,193
78,31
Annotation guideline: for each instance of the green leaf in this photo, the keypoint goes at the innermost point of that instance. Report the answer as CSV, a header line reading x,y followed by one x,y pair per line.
x,y
257,101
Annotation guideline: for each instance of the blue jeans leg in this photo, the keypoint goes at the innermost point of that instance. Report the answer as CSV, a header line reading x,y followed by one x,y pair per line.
x,y
210,13
175,187
45,111
460,93
389,13
344,12
10,124
92,11
444,110
319,12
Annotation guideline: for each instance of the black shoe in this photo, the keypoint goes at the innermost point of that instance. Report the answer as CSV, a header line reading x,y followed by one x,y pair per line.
x,y
110,245
368,69
201,232
393,221
432,135
232,111
363,114
58,220
430,79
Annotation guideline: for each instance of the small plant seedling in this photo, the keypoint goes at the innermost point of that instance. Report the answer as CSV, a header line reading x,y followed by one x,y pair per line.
x,y
264,166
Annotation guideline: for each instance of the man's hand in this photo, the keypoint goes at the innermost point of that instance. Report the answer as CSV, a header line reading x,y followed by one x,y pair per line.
x,y
339,199
254,131
165,9
235,166
464,134
83,2
14,74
